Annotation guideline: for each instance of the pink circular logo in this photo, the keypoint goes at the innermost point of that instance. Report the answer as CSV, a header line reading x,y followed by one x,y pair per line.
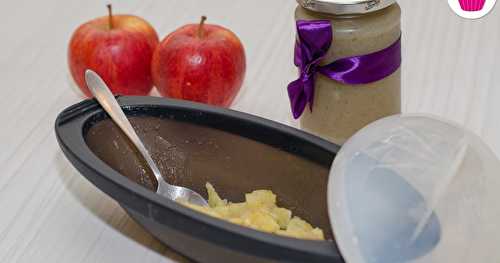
x,y
472,9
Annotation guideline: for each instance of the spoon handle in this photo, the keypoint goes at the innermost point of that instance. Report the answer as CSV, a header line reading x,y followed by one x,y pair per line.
x,y
104,96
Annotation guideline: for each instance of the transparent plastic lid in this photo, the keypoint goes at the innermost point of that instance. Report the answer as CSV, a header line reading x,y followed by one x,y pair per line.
x,y
415,189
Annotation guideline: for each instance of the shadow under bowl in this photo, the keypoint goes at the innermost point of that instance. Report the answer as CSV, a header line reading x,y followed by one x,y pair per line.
x,y
194,144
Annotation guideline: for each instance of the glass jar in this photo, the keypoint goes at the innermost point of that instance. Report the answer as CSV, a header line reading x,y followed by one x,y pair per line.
x,y
359,27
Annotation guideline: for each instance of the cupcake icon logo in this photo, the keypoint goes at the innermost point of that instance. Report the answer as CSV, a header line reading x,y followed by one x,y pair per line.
x,y
472,5
472,9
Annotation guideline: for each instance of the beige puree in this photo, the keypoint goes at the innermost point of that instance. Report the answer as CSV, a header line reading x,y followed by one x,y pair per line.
x,y
340,110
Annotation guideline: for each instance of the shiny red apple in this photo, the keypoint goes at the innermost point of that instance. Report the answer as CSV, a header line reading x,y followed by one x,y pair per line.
x,y
119,48
200,62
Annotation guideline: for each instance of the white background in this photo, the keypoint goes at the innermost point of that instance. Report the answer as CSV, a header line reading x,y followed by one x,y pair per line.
x,y
51,214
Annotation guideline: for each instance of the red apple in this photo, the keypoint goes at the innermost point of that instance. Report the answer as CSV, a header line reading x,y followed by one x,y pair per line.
x,y
200,62
119,48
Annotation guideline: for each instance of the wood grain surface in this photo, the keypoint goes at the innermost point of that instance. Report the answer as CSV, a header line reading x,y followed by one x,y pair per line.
x,y
49,213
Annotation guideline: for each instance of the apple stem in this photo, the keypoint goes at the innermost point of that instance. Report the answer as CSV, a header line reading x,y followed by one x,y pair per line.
x,y
200,27
110,16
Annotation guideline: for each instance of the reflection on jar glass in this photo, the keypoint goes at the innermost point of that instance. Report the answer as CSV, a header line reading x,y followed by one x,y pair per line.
x,y
339,110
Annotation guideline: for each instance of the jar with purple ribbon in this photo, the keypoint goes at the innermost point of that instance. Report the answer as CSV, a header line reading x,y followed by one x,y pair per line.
x,y
348,53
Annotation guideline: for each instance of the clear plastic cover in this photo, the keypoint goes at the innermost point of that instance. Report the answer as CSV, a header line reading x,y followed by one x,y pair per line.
x,y
415,189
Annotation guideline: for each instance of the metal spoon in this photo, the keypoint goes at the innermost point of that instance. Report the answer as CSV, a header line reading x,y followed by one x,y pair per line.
x,y
102,93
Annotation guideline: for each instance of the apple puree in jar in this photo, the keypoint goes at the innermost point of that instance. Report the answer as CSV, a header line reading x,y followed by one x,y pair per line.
x,y
339,110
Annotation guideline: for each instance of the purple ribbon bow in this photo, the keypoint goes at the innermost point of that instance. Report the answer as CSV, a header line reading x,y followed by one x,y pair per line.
x,y
313,41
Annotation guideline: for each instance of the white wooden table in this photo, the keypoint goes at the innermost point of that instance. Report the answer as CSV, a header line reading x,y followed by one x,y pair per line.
x,y
49,213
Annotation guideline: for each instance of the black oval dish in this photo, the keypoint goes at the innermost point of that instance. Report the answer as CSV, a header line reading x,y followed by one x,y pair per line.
x,y
195,235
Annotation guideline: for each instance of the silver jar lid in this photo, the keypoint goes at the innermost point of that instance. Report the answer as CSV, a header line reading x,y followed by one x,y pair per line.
x,y
341,7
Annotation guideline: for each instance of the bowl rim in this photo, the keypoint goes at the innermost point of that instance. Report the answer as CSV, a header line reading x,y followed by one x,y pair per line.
x,y
73,120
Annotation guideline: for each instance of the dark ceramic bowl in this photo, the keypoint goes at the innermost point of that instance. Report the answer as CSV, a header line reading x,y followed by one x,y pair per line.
x,y
194,144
